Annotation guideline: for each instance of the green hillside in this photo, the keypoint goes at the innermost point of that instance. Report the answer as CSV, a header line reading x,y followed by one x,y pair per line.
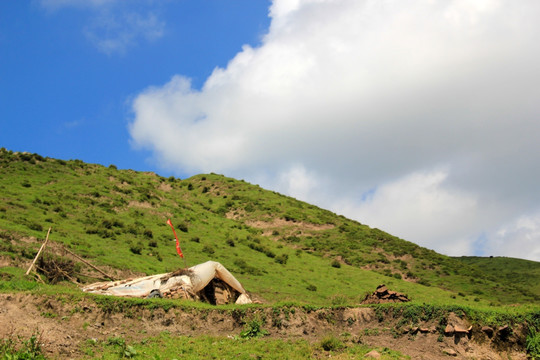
x,y
522,273
281,249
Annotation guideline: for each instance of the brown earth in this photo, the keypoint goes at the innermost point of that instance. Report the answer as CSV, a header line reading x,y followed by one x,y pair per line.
x,y
66,324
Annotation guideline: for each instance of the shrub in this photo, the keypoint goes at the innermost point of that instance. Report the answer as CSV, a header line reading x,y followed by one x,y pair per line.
x,y
230,242
533,343
136,248
311,287
282,259
183,227
209,249
245,268
331,343
336,264
253,329
35,226
29,349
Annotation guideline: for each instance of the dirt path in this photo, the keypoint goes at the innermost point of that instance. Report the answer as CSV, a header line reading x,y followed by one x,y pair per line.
x,y
66,323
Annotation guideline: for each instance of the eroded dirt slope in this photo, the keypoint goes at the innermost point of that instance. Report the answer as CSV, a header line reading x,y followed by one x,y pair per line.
x,y
65,324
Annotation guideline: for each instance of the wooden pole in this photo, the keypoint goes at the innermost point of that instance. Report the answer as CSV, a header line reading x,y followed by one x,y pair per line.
x,y
39,252
92,266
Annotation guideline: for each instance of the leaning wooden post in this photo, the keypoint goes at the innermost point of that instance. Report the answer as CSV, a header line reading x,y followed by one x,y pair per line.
x,y
39,252
92,266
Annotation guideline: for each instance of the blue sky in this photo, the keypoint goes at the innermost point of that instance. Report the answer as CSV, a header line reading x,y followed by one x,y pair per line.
x,y
417,117
64,96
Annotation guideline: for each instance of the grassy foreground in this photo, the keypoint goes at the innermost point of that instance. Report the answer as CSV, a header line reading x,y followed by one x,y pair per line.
x,y
206,347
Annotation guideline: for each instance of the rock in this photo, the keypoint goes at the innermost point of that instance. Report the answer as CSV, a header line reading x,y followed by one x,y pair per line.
x,y
383,295
450,352
460,330
374,354
424,330
488,331
448,330
504,331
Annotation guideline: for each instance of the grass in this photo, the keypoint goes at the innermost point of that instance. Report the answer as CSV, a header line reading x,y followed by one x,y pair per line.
x,y
520,273
21,349
167,346
92,208
281,249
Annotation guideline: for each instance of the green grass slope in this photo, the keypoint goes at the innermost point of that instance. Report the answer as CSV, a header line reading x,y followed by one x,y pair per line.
x,y
281,249
520,272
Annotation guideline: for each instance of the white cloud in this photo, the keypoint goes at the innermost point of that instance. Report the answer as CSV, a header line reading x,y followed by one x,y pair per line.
x,y
115,33
429,106
114,26
53,5
413,206
517,239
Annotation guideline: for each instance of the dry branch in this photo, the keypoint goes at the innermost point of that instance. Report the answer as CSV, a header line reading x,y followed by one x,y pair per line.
x,y
92,266
39,252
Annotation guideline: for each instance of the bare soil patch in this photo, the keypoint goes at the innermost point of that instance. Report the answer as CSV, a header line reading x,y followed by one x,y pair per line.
x,y
65,324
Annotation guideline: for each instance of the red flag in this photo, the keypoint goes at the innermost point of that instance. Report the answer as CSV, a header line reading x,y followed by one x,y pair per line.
x,y
178,250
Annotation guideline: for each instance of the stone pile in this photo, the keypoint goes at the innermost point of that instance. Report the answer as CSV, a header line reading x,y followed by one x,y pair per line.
x,y
383,295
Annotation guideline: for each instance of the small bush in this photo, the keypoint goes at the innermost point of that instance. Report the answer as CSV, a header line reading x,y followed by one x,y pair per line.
x,y
244,268
253,329
331,343
29,349
183,227
311,287
282,259
136,248
533,343
336,264
209,249
35,226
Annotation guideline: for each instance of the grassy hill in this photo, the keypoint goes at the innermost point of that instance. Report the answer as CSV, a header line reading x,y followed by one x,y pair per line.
x,y
280,248
522,273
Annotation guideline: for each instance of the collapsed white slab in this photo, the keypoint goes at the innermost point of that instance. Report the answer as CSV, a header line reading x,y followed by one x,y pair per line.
x,y
191,283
